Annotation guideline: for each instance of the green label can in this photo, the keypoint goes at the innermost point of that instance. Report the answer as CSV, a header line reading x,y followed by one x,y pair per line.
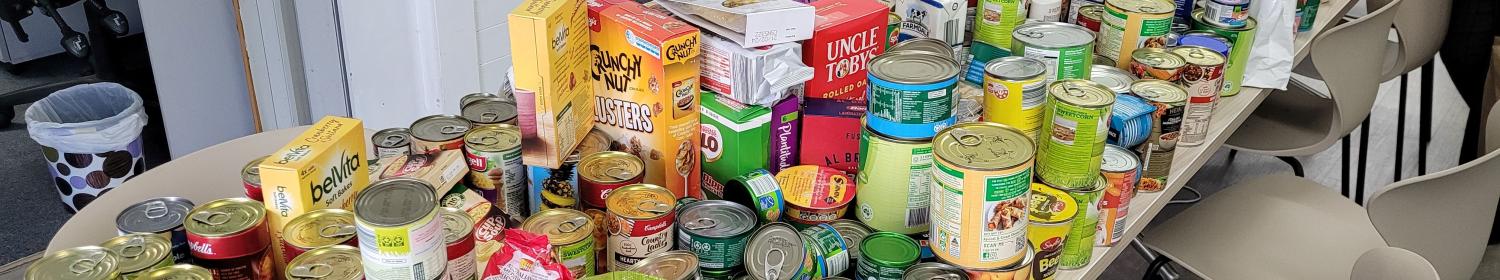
x,y
981,183
1241,39
715,231
1067,49
835,253
995,19
888,256
1134,24
1079,247
894,182
1077,121
758,190
911,93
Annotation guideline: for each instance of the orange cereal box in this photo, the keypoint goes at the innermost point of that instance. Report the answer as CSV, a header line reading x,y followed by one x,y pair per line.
x,y
554,94
646,76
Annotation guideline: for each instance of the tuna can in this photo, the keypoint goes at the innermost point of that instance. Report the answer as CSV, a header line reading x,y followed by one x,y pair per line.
x,y
852,232
250,177
600,238
391,142
1052,213
931,45
892,30
1203,77
1116,80
1077,117
934,271
640,223
911,93
317,229
979,194
1079,246
994,20
490,110
602,172
229,238
815,194
1205,39
835,258
1156,152
1241,40
674,265
1121,170
470,98
1227,13
569,231
337,262
400,231
1066,49
458,241
163,216
1019,271
138,253
1155,63
894,181
1009,75
1133,24
438,133
81,263
715,231
889,255
178,272
777,252
1089,16
758,190
493,153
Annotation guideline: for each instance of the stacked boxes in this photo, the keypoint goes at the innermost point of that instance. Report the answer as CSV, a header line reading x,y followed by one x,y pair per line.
x,y
847,34
740,138
554,93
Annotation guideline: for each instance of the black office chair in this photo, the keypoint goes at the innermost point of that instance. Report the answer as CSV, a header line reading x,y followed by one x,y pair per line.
x,y
105,25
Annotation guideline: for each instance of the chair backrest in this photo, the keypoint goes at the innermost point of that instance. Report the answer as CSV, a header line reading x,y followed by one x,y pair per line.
x,y
1491,134
1420,28
1350,58
1390,263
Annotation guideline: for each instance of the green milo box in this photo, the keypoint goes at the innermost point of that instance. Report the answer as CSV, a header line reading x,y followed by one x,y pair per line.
x,y
737,138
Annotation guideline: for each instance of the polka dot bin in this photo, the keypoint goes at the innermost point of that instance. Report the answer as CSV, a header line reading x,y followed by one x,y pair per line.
x,y
80,178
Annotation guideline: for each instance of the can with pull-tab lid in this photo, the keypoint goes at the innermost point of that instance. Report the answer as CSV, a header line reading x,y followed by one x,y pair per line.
x,y
571,234
229,238
438,133
317,229
162,216
716,231
391,142
640,223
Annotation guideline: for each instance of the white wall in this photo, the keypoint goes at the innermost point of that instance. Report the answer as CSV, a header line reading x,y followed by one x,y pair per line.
x,y
200,72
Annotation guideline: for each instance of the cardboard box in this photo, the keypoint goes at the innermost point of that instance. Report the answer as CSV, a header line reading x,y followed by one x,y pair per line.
x,y
324,167
554,94
740,138
441,170
830,133
847,35
748,23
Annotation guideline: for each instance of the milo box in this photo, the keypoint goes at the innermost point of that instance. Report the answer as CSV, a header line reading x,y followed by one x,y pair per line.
x,y
738,138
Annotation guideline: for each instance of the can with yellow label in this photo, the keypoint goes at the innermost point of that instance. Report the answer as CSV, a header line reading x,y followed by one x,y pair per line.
x,y
981,184
1015,90
1052,213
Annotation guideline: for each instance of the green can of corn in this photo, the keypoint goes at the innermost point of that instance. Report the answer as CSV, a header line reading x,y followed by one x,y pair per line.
x,y
887,256
895,180
1079,247
1241,39
715,231
1076,118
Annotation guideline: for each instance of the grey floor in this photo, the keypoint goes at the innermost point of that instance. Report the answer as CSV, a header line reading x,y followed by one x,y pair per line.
x,y
33,211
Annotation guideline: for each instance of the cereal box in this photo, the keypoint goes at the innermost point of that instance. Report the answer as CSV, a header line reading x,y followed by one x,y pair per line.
x,y
740,138
645,74
830,134
324,167
847,34
554,94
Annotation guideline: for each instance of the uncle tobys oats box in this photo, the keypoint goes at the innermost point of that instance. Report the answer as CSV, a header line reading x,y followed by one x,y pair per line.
x,y
846,35
645,73
324,167
554,94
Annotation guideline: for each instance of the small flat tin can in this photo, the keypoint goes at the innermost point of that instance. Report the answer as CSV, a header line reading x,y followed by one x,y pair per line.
x,y
438,133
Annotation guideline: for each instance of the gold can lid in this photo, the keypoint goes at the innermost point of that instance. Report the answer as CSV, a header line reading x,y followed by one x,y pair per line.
x,y
81,263
610,167
338,262
493,138
641,201
1157,57
251,172
1160,91
1114,79
1154,7
489,110
178,272
673,265
395,202
391,137
139,251
1081,93
456,224
440,128
983,146
223,217
1200,56
1093,11
320,228
562,226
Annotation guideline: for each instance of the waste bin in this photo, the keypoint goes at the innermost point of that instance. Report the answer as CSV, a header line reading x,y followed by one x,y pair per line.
x,y
91,138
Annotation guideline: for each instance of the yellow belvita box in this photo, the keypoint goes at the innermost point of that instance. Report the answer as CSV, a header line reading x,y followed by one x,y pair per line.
x,y
324,167
554,93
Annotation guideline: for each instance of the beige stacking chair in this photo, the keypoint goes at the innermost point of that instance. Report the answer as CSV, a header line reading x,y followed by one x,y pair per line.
x,y
1391,263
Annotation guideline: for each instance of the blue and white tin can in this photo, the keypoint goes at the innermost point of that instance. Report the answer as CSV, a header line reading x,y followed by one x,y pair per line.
x,y
1227,13
911,93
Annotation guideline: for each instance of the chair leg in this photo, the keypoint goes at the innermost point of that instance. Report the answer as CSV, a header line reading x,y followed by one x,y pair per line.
x,y
1344,166
1232,154
1426,118
1296,165
1400,129
1364,155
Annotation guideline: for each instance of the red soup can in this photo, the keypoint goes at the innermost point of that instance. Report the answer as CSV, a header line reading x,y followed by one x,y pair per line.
x,y
1089,16
250,176
318,229
229,238
458,236
641,220
602,172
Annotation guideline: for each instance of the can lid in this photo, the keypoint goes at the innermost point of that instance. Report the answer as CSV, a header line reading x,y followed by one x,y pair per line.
x,y
338,262
775,252
472,97
890,249
320,228
1205,39
81,263
1114,79
1050,205
154,215
611,167
1053,35
933,45
1015,68
1093,11
561,225
456,224
178,272
983,146
1157,58
395,202
673,265
224,217
1160,91
641,201
593,142
391,137
1201,56
1117,159
493,138
934,271
909,67
716,218
251,172
139,251
1083,93
853,232
489,111
1144,6
440,127
1200,22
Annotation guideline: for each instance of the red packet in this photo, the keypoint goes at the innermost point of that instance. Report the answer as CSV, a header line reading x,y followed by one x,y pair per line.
x,y
525,256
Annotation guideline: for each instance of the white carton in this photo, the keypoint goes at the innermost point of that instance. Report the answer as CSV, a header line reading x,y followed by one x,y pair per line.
x,y
750,23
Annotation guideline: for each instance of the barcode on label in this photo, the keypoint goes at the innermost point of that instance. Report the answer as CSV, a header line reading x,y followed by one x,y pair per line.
x,y
917,217
417,271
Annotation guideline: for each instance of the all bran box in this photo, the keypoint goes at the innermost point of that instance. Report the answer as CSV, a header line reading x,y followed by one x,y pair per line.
x,y
324,167
645,74
830,133
554,94
847,34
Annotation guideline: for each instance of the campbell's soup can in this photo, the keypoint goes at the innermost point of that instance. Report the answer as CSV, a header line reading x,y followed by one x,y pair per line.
x,y
571,234
139,253
815,194
458,238
641,220
162,216
318,229
981,176
400,232
602,172
250,177
1203,77
337,262
229,238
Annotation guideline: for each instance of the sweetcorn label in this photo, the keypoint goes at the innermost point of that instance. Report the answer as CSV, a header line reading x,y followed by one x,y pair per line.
x,y
324,167
554,94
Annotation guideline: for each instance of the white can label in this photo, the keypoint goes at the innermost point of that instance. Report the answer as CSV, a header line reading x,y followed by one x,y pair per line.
x,y
414,251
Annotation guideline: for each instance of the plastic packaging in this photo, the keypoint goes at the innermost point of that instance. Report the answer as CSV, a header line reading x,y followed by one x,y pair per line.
x,y
92,118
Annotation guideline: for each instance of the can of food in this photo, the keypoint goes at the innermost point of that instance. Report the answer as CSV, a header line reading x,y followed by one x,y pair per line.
x,y
81,263
778,252
571,234
1241,40
458,239
178,272
892,30
162,216
1079,246
1066,49
602,172
1052,213
493,153
438,133
640,223
250,177
138,253
894,182
229,238
994,20
1121,170
1133,24
1203,78
815,194
1018,271
338,262
400,231
317,229
758,190
553,188
1307,14
674,265
1089,16
931,45
1006,76
600,221
911,93
1114,79
727,274
934,271
852,232
888,256
1155,63
972,230
835,250
1077,116
716,231
470,98
489,110
1205,39
391,142
1156,153
1101,60
1227,13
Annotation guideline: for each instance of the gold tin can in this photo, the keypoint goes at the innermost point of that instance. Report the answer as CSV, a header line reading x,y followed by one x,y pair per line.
x,y
81,263
571,234
139,253
981,188
178,272
338,262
